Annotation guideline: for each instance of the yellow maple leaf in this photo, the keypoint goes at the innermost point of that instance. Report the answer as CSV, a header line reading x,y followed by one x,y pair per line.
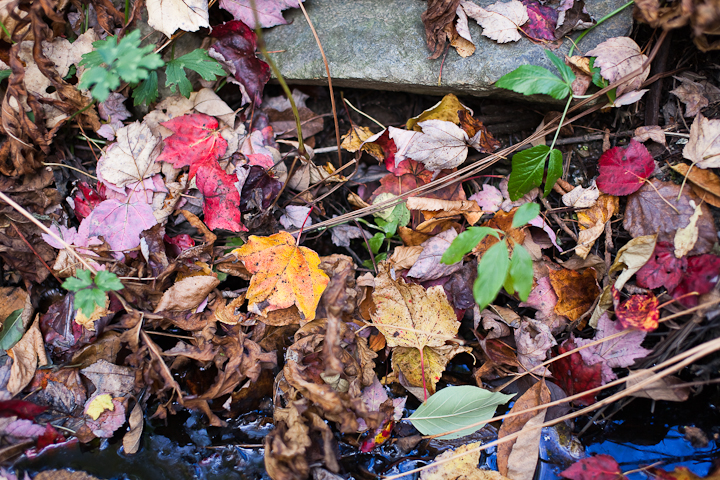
x,y
283,274
98,405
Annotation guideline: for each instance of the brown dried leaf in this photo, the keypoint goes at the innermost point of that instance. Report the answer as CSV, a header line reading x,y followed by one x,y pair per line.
x,y
666,388
592,222
188,293
705,183
438,15
27,354
131,439
429,206
618,57
576,291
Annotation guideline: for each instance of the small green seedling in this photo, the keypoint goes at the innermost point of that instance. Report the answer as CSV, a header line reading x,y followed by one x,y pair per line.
x,y
89,292
497,268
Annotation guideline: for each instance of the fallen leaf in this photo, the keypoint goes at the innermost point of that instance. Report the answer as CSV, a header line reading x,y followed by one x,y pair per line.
x,y
435,359
195,141
427,266
574,375
342,234
598,467
109,420
624,170
98,404
27,355
616,353
187,294
543,299
576,291
120,224
686,237
438,15
580,197
537,395
638,311
669,388
131,158
704,183
618,57
463,466
701,276
663,268
500,21
131,439
652,132
541,21
168,16
221,199
703,147
355,139
649,211
459,34
441,145
269,12
692,95
592,222
533,340
632,257
433,207
235,49
489,199
284,274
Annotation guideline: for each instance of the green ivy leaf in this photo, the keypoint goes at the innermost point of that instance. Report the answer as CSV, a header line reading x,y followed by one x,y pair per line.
x,y
107,281
532,79
454,407
85,300
566,72
198,61
147,91
521,272
465,242
554,171
83,279
12,330
528,167
492,270
524,214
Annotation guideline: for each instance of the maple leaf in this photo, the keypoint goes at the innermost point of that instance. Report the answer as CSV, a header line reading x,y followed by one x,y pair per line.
x,y
441,145
599,467
639,311
131,158
489,199
235,49
119,223
703,272
618,57
500,21
624,170
616,353
283,274
269,12
541,21
576,291
195,140
703,147
221,199
663,269
574,375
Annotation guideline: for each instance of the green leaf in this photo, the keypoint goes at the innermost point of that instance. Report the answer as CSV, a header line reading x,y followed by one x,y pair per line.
x,y
4,74
400,214
198,61
147,91
492,270
554,171
565,71
465,242
233,243
524,214
82,280
532,79
597,78
107,281
104,82
85,300
376,242
388,227
528,167
456,407
12,330
521,272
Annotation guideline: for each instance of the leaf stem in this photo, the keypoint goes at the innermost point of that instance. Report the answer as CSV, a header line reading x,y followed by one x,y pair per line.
x,y
609,15
562,119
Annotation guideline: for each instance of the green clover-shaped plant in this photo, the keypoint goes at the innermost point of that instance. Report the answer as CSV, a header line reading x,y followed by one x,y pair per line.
x,y
89,292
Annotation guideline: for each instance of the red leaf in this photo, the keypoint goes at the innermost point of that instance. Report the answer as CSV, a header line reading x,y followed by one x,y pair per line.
x,y
86,200
599,467
20,408
542,22
701,276
236,44
638,311
195,140
49,437
623,170
663,269
574,376
222,199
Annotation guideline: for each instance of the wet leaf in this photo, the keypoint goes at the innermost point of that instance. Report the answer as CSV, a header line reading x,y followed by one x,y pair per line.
x,y
98,404
131,440
574,375
463,466
624,170
599,467
455,407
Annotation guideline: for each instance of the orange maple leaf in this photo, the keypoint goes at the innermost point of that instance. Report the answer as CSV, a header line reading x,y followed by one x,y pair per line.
x,y
638,311
283,274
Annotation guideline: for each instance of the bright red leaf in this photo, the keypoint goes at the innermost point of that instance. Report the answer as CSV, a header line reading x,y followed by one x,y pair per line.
x,y
663,269
236,48
85,200
542,22
221,205
701,276
638,311
624,170
575,376
599,467
195,140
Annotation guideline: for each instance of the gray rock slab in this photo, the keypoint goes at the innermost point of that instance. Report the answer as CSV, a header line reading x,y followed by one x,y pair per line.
x,y
380,44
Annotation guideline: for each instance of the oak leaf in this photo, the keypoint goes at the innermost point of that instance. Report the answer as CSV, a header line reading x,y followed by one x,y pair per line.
x,y
284,274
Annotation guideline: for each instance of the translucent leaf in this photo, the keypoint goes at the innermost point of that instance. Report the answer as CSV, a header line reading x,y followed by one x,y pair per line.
x,y
524,214
492,270
465,242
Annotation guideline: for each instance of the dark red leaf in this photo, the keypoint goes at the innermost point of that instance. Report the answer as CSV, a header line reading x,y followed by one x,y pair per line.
x,y
236,44
21,409
599,467
49,437
86,200
179,243
259,190
638,311
542,22
195,140
574,376
663,269
701,276
623,170
221,205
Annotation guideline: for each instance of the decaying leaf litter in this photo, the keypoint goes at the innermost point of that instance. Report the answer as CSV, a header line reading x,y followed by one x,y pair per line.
x,y
181,247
